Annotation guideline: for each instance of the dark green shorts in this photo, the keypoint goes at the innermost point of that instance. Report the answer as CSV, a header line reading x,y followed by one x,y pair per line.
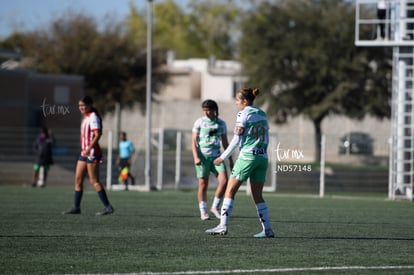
x,y
36,167
254,169
207,166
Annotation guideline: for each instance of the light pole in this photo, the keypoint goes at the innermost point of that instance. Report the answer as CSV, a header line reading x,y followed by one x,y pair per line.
x,y
148,98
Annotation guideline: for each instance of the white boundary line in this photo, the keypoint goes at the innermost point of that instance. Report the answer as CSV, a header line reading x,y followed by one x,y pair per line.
x,y
293,269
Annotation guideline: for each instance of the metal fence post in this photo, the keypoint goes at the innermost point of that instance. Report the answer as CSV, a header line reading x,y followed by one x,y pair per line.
x,y
178,160
322,165
160,163
109,162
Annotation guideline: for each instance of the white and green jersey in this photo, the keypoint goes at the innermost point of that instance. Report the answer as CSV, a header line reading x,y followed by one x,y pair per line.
x,y
209,135
255,137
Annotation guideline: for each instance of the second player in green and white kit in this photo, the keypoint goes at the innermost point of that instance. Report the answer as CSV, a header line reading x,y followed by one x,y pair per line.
x,y
209,133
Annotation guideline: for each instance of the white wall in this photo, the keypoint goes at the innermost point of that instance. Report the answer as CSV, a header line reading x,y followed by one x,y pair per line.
x,y
219,88
216,80
298,133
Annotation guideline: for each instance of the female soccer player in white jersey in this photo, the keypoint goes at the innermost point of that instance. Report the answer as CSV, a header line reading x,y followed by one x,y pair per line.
x,y
90,157
208,131
251,133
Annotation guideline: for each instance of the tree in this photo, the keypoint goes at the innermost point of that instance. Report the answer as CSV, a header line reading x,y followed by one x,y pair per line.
x,y
302,55
114,70
214,27
202,30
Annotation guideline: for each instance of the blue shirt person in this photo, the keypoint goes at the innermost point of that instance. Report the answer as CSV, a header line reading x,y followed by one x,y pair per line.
x,y
125,155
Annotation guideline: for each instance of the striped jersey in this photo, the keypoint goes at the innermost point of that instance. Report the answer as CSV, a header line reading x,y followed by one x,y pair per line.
x,y
91,121
255,138
209,135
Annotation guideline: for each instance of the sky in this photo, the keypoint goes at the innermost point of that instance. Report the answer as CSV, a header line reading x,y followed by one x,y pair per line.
x,y
28,15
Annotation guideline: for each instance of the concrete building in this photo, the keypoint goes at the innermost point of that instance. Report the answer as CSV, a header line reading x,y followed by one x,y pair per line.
x,y
194,80
31,99
203,79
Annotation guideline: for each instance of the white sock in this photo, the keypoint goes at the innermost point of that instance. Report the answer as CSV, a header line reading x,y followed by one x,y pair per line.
x,y
263,214
216,203
226,209
203,207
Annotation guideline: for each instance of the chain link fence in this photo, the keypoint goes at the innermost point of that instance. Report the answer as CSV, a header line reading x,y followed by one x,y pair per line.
x,y
354,162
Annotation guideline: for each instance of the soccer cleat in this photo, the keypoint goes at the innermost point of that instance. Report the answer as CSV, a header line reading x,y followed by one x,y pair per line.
x,y
204,216
216,212
106,211
218,230
72,211
268,233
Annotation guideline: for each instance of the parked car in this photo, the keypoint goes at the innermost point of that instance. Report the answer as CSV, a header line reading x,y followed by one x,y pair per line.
x,y
356,143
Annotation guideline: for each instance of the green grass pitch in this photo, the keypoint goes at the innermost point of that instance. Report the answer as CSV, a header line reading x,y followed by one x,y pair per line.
x,y
160,232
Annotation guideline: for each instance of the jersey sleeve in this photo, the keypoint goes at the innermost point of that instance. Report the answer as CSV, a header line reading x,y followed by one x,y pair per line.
x,y
240,124
95,122
197,126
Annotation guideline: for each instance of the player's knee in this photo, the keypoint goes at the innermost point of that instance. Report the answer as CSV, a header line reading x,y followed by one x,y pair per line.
x,y
78,186
97,185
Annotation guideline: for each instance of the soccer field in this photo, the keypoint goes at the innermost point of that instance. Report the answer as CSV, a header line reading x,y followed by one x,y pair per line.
x,y
161,233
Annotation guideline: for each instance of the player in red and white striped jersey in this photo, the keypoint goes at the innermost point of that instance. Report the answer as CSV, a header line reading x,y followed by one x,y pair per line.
x,y
90,157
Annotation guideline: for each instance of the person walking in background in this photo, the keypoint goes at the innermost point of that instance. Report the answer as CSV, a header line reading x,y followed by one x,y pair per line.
x,y
208,132
42,147
252,134
90,157
126,152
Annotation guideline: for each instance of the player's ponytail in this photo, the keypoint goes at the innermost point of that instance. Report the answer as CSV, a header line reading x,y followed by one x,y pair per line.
x,y
249,94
